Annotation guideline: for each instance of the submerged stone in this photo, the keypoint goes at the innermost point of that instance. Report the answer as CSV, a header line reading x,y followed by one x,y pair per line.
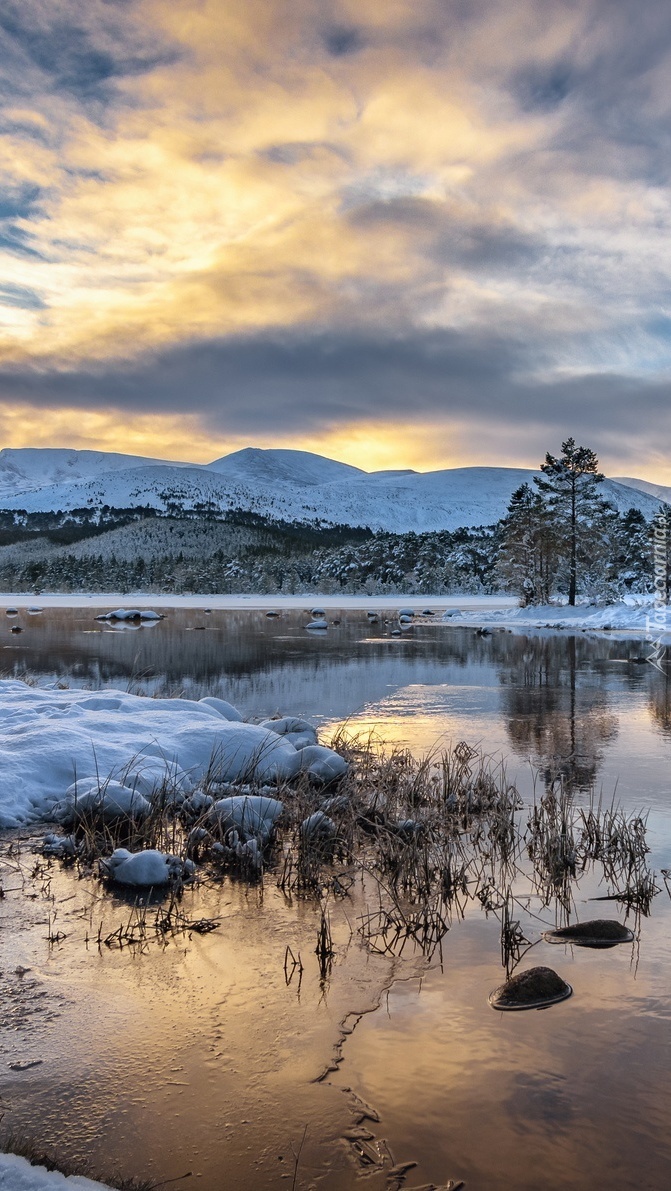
x,y
533,989
600,932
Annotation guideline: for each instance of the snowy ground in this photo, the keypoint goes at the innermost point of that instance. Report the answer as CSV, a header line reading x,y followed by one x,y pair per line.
x,y
16,1174
112,600
634,616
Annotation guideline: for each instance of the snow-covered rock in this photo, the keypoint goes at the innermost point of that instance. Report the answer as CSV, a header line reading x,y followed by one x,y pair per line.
x,y
318,828
157,781
131,614
249,855
251,816
61,847
299,732
322,764
145,869
224,709
108,802
318,625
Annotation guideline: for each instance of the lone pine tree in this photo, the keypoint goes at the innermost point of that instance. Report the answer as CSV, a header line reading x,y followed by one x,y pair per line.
x,y
569,488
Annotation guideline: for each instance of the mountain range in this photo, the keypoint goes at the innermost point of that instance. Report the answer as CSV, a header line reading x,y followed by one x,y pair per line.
x,y
281,484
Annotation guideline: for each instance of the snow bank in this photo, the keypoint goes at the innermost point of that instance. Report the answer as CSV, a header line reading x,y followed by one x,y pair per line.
x,y
16,1174
627,615
120,748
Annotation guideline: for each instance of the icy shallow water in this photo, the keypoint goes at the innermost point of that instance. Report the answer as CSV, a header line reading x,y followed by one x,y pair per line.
x,y
200,1056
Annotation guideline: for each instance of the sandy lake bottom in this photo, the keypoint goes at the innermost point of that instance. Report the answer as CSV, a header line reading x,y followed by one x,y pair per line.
x,y
203,1053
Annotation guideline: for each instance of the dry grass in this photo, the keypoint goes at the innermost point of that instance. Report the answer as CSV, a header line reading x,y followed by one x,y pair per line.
x,y
419,838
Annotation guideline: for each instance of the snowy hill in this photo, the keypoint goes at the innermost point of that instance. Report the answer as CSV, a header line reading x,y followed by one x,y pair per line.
x,y
29,468
659,491
285,485
293,467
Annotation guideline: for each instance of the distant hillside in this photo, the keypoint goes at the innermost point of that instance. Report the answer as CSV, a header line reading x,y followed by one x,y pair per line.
x,y
27,469
289,486
658,491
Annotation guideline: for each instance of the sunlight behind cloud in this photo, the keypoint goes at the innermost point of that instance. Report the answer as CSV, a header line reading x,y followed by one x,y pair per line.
x,y
264,170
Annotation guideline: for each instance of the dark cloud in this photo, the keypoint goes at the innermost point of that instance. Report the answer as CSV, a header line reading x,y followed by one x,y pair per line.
x,y
295,384
294,152
75,49
449,236
19,202
18,242
609,83
538,87
343,40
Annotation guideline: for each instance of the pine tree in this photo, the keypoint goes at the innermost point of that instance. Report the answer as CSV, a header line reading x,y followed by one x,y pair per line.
x,y
631,567
569,489
526,556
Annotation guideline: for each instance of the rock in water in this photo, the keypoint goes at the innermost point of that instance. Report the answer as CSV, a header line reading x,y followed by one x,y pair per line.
x,y
599,932
533,989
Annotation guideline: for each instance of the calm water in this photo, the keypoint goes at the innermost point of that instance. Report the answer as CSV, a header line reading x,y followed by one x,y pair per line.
x,y
200,1057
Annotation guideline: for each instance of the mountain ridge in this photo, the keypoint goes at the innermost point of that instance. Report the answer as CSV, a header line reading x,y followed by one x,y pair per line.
x,y
278,484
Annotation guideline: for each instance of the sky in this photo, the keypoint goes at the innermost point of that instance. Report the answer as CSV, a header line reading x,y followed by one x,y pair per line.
x,y
402,233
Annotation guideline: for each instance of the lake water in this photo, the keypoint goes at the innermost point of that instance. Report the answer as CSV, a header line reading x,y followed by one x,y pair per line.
x,y
201,1056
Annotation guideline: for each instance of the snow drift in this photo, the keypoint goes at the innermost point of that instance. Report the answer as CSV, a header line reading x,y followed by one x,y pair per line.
x,y
117,752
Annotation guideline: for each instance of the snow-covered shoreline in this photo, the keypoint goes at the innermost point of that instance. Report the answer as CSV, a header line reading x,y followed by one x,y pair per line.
x,y
633,617
110,600
60,747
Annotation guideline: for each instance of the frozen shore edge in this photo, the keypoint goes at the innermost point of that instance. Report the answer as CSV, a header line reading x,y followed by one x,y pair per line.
x,y
633,617
306,600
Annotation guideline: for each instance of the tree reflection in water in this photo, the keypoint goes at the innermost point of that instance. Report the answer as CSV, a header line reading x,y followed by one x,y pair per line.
x,y
557,707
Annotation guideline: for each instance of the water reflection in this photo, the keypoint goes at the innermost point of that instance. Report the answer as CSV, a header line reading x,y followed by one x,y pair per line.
x,y
577,707
558,709
218,1050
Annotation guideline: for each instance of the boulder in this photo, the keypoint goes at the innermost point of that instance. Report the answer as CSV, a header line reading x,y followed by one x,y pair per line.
x,y
533,989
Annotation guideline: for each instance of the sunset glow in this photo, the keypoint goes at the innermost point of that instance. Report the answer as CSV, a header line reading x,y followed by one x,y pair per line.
x,y
408,235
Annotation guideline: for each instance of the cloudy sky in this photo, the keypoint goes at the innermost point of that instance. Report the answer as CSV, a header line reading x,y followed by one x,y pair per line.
x,y
400,232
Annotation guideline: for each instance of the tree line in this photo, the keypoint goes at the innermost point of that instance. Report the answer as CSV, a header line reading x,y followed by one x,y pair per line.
x,y
561,536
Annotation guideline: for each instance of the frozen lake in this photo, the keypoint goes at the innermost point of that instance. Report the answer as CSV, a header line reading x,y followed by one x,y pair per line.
x,y
199,1056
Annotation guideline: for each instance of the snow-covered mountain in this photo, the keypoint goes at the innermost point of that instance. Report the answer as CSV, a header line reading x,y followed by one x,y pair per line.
x,y
659,491
293,467
27,469
289,485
